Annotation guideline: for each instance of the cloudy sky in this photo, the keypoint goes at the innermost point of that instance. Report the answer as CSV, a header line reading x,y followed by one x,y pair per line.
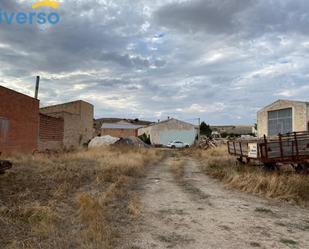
x,y
220,60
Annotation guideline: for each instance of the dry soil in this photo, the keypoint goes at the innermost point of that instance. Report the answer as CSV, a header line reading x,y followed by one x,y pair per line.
x,y
199,212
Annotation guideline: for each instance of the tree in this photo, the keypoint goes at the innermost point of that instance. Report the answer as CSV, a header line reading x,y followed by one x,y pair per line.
x,y
145,139
205,129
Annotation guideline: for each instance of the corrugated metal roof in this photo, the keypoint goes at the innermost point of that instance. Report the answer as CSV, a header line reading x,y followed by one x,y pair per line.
x,y
120,126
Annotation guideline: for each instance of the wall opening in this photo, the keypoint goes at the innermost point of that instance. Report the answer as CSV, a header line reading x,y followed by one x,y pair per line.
x,y
4,130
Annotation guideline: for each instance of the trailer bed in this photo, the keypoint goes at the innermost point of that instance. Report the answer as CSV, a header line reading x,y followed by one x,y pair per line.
x,y
287,148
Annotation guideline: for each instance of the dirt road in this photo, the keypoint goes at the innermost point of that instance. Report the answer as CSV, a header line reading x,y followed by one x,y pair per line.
x,y
199,213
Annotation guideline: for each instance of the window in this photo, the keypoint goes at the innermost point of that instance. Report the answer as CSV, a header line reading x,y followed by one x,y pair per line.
x,y
280,121
4,130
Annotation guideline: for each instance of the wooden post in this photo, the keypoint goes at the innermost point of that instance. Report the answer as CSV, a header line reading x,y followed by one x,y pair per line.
x,y
266,147
240,146
281,146
296,144
234,148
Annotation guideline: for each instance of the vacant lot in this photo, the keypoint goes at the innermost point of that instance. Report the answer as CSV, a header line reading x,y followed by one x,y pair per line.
x,y
183,208
107,198
287,186
77,200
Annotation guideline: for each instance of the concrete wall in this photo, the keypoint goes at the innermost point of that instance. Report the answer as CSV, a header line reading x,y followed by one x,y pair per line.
x,y
22,113
299,112
170,130
121,133
78,122
51,133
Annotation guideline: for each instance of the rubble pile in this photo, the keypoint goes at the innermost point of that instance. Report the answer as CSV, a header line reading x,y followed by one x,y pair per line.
x,y
207,143
133,141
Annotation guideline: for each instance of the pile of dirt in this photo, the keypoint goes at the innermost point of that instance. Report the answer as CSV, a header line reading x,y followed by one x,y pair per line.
x,y
132,141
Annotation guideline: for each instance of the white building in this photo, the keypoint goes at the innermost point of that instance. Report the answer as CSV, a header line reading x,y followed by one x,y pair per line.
x,y
170,130
283,116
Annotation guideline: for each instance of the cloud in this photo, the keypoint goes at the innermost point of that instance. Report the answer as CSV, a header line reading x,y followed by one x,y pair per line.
x,y
203,15
198,109
218,60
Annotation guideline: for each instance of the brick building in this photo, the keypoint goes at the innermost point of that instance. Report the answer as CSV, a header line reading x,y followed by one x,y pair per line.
x,y
97,124
120,129
78,122
19,122
51,133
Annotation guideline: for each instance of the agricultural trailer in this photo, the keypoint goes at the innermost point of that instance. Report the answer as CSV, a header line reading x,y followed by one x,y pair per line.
x,y
290,148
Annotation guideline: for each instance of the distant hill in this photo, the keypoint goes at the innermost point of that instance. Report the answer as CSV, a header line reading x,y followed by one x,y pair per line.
x,y
235,129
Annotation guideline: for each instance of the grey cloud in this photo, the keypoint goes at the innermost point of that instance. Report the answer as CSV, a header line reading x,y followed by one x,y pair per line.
x,y
203,15
125,60
236,17
241,54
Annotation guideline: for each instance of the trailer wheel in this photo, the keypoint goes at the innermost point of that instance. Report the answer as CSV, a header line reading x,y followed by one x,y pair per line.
x,y
302,167
239,159
269,166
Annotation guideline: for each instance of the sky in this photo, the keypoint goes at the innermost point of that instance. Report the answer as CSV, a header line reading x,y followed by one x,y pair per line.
x,y
218,60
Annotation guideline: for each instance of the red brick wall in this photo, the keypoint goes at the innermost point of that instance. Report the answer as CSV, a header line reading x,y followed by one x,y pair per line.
x,y
23,114
121,133
51,132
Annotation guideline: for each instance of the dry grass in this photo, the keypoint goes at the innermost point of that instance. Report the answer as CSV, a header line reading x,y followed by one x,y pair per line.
x,y
280,185
177,168
76,200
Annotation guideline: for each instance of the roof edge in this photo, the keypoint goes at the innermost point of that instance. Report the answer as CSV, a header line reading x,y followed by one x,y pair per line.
x,y
167,120
283,100
67,103
25,95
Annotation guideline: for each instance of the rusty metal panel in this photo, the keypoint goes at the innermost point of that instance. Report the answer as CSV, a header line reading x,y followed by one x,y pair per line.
x,y
289,148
